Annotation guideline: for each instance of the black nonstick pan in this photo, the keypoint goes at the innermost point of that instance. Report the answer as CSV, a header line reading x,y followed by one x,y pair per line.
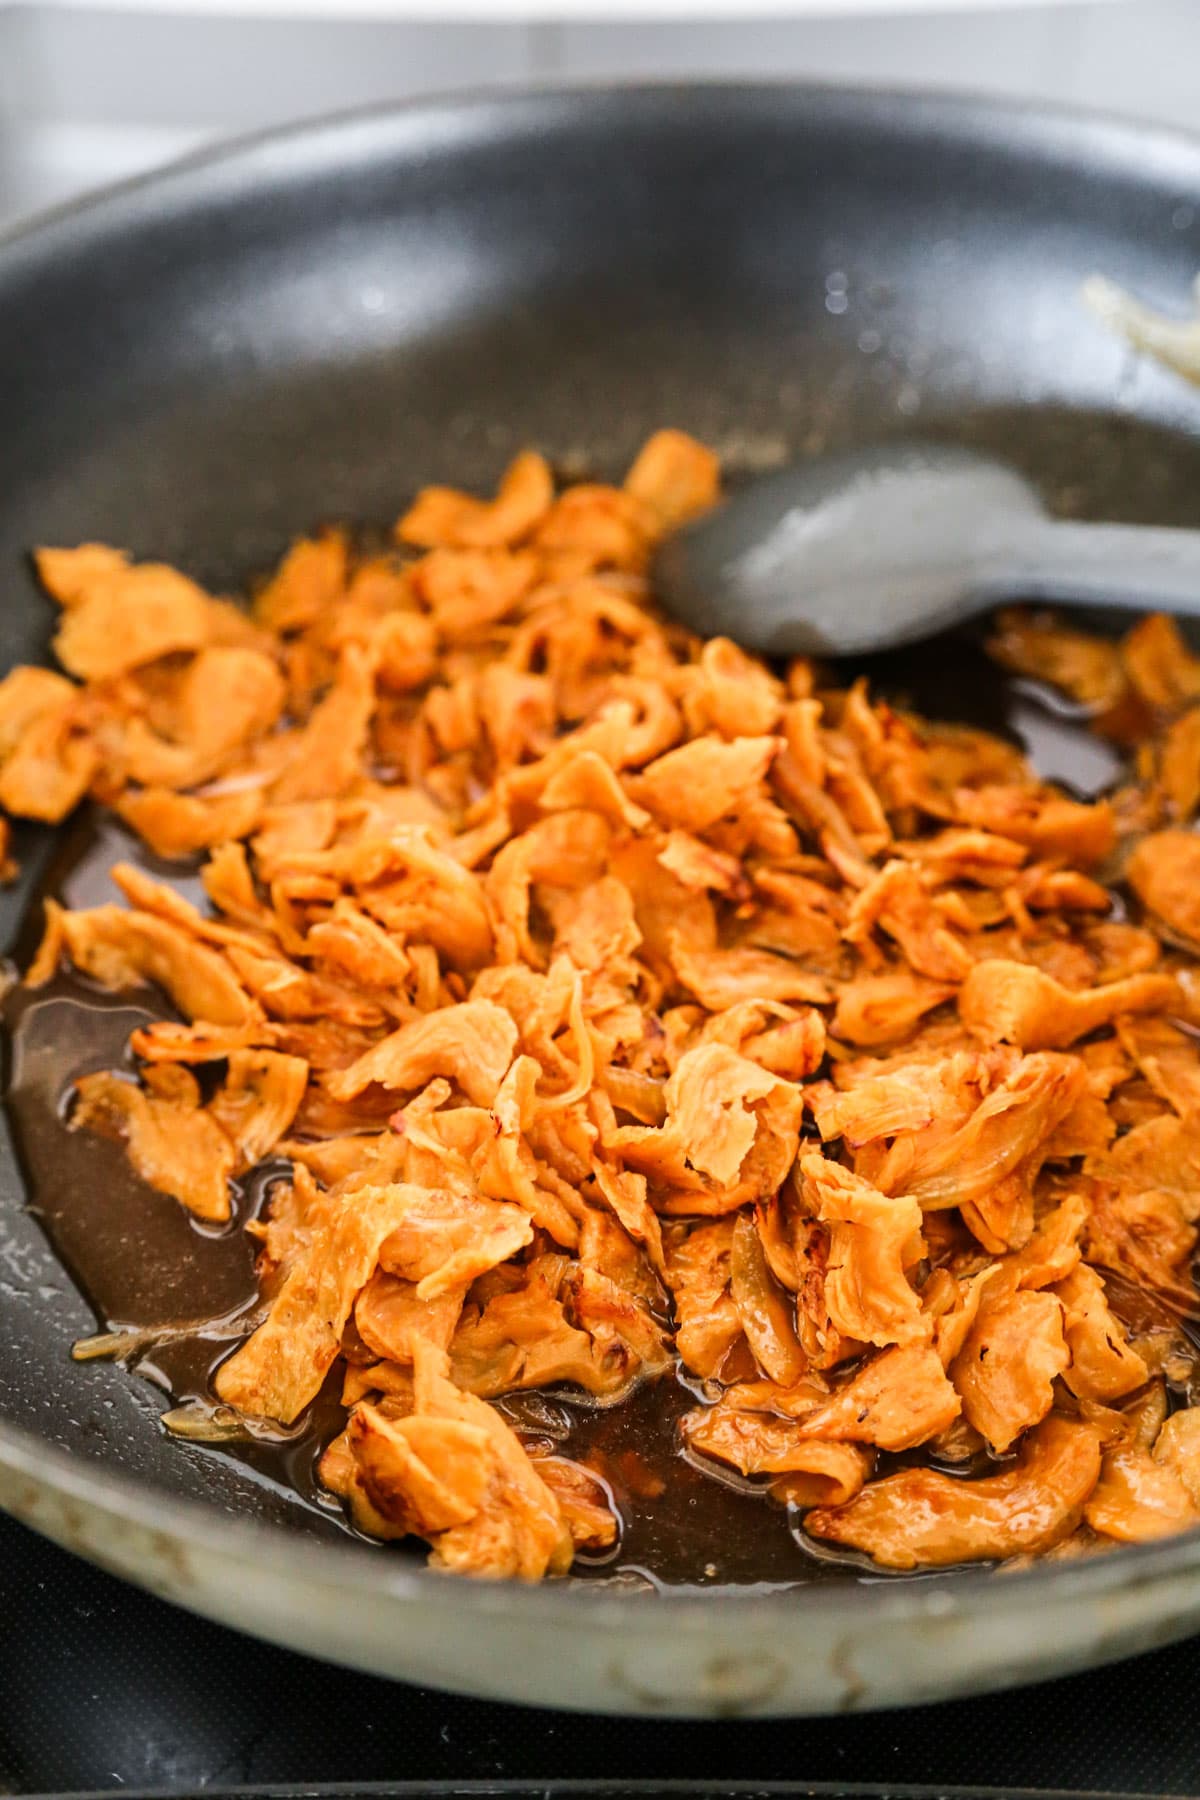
x,y
201,364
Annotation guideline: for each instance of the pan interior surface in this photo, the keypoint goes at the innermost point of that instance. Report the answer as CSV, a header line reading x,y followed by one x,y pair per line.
x,y
202,365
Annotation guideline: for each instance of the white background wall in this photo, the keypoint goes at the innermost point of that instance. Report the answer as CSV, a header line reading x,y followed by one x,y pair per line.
x,y
89,92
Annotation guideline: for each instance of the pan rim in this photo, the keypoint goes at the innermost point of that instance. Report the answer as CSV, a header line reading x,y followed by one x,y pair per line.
x,y
216,173
1065,127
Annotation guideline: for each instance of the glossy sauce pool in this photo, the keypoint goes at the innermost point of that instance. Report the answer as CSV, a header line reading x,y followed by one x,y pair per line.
x,y
145,1266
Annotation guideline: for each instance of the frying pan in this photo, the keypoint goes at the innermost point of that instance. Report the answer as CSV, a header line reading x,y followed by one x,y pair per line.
x,y
198,365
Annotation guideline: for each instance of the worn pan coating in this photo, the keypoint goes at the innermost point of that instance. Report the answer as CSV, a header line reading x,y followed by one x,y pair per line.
x,y
196,365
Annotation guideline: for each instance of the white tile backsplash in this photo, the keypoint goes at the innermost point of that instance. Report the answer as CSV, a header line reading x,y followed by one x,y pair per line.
x,y
121,67
1141,57
1002,49
1143,60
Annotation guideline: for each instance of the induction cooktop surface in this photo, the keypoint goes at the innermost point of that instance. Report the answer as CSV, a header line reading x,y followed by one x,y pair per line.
x,y
104,1688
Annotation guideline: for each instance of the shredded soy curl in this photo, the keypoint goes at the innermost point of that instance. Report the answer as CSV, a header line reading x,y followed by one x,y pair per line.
x,y
621,1006
1175,342
124,1342
203,1422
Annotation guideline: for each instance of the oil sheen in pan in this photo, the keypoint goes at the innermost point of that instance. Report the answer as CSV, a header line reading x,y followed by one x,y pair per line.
x,y
186,1293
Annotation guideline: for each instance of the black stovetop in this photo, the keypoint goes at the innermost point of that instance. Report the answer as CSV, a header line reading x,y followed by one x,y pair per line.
x,y
102,1687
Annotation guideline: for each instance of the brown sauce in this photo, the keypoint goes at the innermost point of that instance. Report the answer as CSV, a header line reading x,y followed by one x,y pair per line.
x,y
144,1265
